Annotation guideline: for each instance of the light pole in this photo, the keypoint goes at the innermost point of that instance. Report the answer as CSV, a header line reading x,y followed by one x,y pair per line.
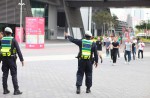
x,y
104,29
89,18
6,11
146,24
21,4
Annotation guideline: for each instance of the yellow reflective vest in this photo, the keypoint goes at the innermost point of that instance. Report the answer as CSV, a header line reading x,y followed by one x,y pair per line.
x,y
86,49
6,45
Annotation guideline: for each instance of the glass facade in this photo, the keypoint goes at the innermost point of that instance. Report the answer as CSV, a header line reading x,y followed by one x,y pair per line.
x,y
40,9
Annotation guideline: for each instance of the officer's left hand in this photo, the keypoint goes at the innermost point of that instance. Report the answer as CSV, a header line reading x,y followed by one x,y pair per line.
x,y
96,64
22,63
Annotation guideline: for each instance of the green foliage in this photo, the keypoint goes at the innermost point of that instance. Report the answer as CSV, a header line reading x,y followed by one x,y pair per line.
x,y
145,39
143,25
101,17
115,20
104,17
95,37
101,38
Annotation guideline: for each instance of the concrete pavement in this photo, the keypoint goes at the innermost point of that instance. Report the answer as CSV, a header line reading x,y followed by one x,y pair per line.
x,y
51,73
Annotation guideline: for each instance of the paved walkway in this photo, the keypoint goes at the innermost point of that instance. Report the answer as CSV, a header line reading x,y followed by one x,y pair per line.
x,y
51,73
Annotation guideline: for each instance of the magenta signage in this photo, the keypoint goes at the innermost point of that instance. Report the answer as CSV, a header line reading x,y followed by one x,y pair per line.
x,y
35,28
19,34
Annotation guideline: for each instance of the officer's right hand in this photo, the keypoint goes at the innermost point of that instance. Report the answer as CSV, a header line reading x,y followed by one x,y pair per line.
x,y
67,34
22,63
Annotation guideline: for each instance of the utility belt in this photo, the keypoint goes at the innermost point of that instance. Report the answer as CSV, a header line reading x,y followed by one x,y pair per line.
x,y
14,57
79,56
85,57
9,54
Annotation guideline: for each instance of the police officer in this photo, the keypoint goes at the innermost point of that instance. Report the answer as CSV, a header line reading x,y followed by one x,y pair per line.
x,y
87,47
1,36
9,48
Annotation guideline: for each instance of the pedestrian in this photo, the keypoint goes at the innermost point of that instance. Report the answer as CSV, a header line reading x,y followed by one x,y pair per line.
x,y
138,40
99,48
87,49
127,51
104,40
107,46
134,45
141,46
111,49
9,48
119,41
115,46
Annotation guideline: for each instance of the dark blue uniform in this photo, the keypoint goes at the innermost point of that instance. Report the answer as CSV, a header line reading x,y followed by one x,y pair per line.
x,y
9,63
84,65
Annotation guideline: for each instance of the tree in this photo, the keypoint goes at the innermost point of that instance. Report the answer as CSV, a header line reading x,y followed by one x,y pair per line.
x,y
143,25
115,20
104,17
138,27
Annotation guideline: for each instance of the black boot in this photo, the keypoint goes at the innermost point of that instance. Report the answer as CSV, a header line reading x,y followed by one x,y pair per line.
x,y
17,92
6,91
101,60
88,90
78,90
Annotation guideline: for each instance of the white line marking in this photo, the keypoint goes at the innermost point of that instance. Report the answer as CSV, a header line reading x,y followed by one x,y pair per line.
x,y
63,57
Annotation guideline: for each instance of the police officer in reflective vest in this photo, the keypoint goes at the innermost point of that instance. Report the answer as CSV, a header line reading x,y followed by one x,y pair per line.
x,y
87,48
9,48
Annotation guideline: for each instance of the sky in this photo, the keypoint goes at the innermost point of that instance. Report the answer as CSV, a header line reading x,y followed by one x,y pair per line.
x,y
137,14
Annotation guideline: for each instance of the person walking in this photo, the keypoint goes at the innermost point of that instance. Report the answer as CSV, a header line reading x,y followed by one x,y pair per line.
x,y
115,46
99,44
87,49
141,46
119,41
104,40
111,49
134,45
127,51
107,47
9,48
138,40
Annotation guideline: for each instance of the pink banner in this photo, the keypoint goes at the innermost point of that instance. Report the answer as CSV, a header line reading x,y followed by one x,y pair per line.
x,y
35,28
19,34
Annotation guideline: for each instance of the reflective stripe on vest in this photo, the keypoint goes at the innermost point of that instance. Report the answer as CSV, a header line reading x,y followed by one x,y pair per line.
x,y
86,49
6,46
